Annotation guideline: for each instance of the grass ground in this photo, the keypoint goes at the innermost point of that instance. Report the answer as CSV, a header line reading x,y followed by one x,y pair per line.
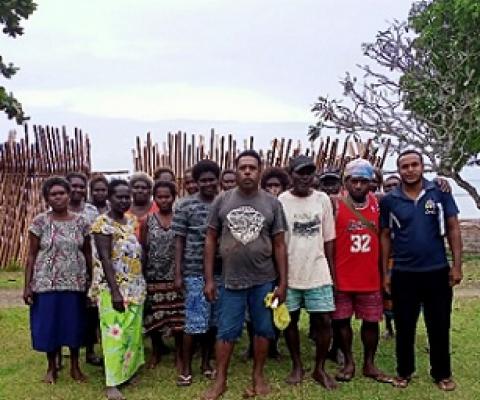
x,y
11,280
21,368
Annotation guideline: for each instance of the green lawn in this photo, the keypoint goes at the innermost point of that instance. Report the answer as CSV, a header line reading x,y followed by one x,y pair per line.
x,y
21,369
11,280
471,272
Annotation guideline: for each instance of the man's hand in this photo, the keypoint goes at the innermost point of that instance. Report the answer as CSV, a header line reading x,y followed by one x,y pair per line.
x,y
456,276
28,296
117,301
280,293
387,284
210,291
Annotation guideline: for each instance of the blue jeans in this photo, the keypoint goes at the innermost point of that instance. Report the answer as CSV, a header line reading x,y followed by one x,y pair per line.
x,y
232,312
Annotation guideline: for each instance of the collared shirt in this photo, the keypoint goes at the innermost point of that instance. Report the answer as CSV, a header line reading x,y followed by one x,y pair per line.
x,y
418,227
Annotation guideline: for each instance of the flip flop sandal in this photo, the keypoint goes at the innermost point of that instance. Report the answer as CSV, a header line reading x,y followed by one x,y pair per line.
x,y
447,385
344,376
400,383
210,373
184,380
381,378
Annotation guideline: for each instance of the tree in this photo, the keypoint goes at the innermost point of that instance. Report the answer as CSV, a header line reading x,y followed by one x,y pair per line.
x,y
11,14
426,92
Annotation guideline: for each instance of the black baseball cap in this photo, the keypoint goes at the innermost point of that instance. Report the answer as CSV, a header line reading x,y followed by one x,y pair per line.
x,y
332,173
301,162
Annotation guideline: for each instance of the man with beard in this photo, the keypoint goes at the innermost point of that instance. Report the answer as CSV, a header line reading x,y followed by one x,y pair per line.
x,y
310,241
358,289
250,225
415,219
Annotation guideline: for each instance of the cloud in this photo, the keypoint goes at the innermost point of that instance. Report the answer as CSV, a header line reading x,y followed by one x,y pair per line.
x,y
169,101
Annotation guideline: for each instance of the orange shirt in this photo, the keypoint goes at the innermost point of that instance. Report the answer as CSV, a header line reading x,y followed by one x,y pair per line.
x,y
143,218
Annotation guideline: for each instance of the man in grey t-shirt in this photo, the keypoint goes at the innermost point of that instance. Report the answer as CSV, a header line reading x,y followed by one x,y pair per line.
x,y
250,225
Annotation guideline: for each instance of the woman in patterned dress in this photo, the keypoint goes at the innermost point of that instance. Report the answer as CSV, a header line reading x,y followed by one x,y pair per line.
x,y
164,310
56,278
119,289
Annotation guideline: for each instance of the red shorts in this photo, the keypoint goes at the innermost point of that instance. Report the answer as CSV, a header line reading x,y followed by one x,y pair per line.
x,y
368,306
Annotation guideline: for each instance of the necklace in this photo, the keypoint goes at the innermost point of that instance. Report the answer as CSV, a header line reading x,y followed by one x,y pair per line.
x,y
359,205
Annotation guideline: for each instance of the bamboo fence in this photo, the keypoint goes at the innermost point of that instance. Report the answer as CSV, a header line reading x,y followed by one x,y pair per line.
x,y
24,165
180,152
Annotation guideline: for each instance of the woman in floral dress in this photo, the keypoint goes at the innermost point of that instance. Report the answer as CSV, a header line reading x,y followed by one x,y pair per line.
x,y
56,278
164,310
119,288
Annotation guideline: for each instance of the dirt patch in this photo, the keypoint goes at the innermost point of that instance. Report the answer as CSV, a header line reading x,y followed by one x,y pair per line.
x,y
11,298
467,292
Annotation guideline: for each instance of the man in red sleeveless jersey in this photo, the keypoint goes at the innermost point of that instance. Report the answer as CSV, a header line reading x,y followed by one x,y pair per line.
x,y
358,285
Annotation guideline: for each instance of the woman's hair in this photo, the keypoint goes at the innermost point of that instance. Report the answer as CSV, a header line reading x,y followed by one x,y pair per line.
x,y
205,166
161,170
164,184
114,183
275,172
141,176
227,171
76,174
54,181
97,178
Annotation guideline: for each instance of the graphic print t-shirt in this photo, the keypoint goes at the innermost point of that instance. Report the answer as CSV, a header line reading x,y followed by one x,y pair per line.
x,y
310,224
357,248
246,226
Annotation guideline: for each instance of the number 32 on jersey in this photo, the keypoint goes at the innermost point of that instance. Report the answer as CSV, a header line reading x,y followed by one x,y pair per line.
x,y
360,243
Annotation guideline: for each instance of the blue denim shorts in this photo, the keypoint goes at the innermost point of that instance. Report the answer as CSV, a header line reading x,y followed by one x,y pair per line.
x,y
200,314
233,305
319,299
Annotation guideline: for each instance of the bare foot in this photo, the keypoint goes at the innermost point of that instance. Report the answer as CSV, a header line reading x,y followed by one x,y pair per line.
x,y
215,391
50,377
296,376
324,379
112,393
261,387
78,375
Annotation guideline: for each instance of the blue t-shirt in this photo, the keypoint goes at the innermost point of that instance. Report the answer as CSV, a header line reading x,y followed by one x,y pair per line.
x,y
418,227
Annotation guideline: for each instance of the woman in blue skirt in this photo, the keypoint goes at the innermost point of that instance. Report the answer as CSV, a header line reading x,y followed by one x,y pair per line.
x,y
56,278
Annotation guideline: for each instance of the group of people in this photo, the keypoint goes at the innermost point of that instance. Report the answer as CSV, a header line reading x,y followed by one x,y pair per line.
x,y
137,261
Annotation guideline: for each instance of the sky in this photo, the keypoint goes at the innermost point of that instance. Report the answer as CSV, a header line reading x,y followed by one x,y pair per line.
x,y
120,68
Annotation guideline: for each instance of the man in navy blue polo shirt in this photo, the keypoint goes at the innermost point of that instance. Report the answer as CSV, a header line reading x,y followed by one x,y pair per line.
x,y
415,218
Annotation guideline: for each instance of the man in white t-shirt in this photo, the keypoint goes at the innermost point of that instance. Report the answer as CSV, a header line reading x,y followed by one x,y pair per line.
x,y
310,241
